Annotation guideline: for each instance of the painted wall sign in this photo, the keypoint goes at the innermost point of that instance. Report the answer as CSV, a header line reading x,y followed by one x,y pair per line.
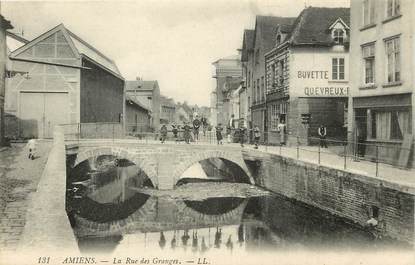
x,y
326,91
313,74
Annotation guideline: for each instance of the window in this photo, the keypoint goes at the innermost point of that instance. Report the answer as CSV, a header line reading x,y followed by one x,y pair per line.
x,y
368,12
369,63
281,73
338,36
274,117
390,124
337,69
254,92
249,78
393,8
393,60
272,76
258,91
262,88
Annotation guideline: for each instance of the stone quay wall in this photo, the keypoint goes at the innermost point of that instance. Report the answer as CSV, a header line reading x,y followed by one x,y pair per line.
x,y
345,194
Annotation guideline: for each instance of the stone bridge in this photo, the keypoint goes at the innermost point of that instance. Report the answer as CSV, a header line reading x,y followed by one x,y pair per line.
x,y
163,163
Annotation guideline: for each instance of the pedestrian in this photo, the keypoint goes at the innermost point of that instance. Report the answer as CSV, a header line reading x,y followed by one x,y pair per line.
x,y
204,122
196,126
257,136
219,130
31,145
242,131
174,130
282,131
186,132
163,133
322,132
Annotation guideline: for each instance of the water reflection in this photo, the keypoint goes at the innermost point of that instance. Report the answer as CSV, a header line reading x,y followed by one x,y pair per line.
x,y
108,215
280,225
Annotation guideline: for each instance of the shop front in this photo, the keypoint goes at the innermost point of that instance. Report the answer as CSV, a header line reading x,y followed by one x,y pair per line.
x,y
382,124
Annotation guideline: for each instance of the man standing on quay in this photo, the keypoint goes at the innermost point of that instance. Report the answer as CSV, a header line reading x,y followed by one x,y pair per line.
x,y
322,132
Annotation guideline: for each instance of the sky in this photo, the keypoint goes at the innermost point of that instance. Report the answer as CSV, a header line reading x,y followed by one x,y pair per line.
x,y
172,41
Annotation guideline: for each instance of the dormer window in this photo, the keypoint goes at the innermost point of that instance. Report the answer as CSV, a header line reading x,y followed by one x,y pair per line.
x,y
339,31
338,36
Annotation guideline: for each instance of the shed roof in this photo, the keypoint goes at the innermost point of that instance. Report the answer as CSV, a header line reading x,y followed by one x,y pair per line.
x,y
14,41
312,25
136,102
86,49
79,46
141,85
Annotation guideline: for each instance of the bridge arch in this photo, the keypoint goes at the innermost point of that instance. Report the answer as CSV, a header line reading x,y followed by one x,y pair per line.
x,y
122,153
195,157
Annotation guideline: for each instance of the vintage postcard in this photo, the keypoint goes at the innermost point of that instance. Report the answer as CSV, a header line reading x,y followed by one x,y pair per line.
x,y
207,132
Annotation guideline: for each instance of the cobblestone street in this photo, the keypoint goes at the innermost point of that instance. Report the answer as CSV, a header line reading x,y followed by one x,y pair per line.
x,y
19,178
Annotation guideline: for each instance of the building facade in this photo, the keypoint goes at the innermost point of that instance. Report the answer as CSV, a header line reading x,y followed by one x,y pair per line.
x,y
306,80
382,77
256,43
67,81
228,75
147,93
4,26
137,117
167,110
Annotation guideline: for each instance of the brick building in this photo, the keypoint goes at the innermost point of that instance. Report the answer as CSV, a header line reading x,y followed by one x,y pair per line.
x,y
307,74
148,94
263,42
68,81
383,76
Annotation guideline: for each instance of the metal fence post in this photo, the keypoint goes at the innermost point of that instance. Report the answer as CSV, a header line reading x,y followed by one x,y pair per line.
x,y
377,160
319,154
298,147
345,155
266,143
79,131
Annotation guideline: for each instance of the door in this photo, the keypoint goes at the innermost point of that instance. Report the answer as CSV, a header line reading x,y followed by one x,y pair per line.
x,y
31,107
56,111
40,112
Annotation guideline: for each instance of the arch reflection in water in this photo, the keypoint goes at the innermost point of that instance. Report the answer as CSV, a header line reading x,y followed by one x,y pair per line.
x,y
263,224
100,189
214,170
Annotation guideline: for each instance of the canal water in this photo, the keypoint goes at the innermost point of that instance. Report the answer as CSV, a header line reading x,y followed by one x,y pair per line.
x,y
115,207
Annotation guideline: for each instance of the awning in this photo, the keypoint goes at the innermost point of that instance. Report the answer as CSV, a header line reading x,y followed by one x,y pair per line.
x,y
385,101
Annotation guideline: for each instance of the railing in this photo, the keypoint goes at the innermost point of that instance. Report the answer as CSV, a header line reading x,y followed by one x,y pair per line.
x,y
320,151
341,152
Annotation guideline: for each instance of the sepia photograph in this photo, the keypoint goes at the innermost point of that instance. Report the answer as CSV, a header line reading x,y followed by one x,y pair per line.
x,y
207,132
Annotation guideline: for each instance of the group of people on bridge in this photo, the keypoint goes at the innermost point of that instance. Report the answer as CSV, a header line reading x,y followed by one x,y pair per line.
x,y
241,133
184,132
